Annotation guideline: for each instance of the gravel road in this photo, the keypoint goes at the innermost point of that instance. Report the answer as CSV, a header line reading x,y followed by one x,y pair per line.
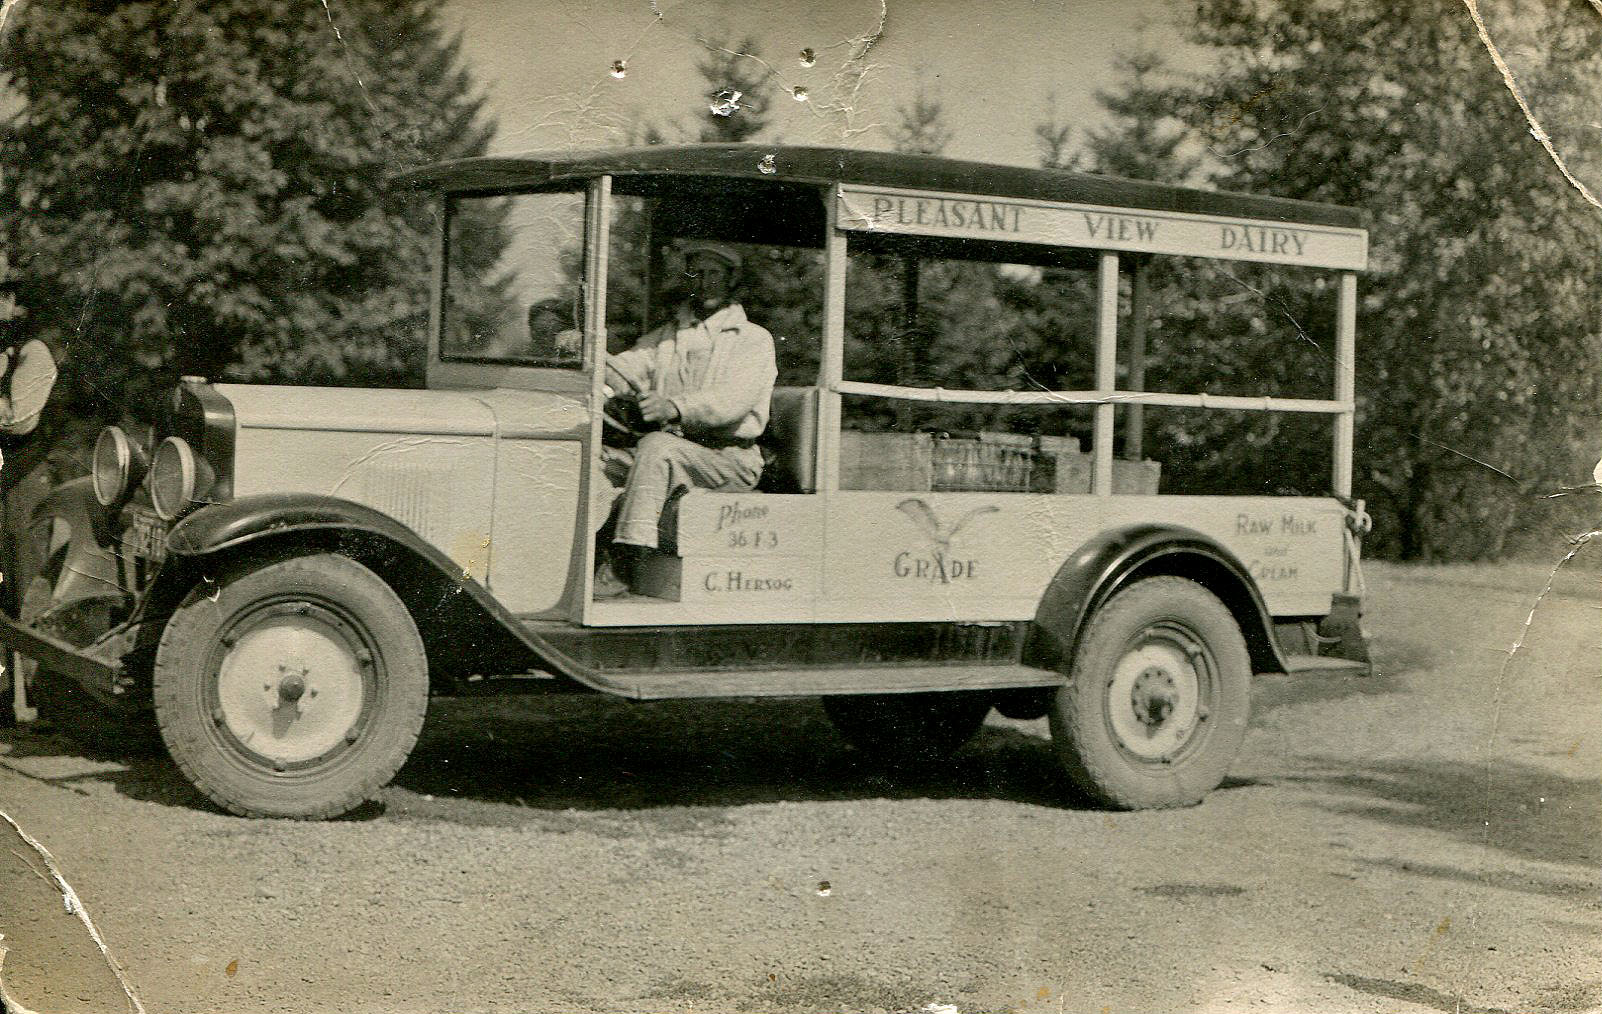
x,y
1426,840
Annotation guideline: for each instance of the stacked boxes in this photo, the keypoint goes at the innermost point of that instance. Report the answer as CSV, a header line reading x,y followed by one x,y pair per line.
x,y
992,462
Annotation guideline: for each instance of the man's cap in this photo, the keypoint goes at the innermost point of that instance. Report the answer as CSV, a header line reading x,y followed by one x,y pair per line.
x,y
726,254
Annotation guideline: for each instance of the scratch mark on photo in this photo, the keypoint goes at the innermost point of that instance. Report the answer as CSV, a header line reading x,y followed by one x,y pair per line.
x,y
1536,130
74,907
349,62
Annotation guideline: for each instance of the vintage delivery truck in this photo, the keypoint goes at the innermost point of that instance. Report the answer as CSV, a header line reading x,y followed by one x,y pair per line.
x,y
280,577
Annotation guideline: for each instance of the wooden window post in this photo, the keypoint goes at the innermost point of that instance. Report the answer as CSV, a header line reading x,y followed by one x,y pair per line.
x,y
597,243
831,362
1106,372
1345,380
1135,414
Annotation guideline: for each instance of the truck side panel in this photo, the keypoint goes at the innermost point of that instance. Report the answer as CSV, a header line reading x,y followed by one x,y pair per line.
x,y
974,557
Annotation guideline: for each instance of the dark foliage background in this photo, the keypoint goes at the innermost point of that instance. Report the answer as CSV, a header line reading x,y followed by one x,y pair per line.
x,y
1480,323
201,187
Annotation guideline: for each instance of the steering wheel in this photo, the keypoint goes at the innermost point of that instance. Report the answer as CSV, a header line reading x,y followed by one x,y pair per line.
x,y
623,422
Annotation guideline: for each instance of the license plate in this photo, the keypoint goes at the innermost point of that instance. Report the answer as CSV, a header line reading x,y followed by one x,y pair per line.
x,y
146,535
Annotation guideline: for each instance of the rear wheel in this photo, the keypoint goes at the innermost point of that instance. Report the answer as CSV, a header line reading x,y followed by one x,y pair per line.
x,y
1156,706
903,730
291,689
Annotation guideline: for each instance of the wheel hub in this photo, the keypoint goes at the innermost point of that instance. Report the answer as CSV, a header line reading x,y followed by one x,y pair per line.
x,y
292,685
1156,694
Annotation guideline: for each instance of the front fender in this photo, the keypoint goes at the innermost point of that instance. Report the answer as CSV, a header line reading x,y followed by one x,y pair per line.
x,y
1117,558
220,527
69,518
456,615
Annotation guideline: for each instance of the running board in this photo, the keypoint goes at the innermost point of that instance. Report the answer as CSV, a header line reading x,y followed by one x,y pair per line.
x,y
1325,665
651,686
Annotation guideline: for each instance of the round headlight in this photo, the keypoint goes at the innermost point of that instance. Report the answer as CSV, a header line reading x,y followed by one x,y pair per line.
x,y
113,461
172,478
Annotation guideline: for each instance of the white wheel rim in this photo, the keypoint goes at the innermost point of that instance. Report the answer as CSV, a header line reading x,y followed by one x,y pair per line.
x,y
291,689
1154,698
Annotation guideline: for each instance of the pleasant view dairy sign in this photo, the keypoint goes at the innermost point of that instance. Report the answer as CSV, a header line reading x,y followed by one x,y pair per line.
x,y
1101,228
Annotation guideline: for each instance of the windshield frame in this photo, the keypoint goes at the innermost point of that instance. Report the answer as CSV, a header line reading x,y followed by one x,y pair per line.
x,y
457,371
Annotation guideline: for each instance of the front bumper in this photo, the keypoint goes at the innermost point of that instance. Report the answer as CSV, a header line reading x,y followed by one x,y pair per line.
x,y
97,667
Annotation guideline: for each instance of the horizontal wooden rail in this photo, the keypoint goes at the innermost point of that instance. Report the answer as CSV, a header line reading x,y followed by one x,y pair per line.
x,y
1224,401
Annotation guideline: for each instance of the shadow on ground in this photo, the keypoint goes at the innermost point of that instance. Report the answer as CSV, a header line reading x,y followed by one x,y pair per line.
x,y
1273,691
1411,992
591,753
1523,811
481,760
601,753
135,766
1570,996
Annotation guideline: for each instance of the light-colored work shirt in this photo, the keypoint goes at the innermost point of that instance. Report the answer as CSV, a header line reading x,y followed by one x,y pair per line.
x,y
718,372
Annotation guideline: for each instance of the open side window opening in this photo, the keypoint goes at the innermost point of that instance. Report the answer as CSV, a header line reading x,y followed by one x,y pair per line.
x,y
778,231
941,335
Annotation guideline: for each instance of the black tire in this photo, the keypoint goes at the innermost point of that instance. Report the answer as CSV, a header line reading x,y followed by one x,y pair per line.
x,y
907,730
1157,702
242,662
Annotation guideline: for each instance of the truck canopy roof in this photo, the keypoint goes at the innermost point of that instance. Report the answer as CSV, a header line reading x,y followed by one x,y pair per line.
x,y
637,168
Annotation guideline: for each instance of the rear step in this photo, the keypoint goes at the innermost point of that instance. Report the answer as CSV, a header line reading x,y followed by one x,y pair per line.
x,y
1325,665
648,686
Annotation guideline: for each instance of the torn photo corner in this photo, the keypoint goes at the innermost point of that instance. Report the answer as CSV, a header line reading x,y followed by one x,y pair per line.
x,y
842,507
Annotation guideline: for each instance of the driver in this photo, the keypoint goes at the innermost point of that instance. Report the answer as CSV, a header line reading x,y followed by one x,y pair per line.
x,y
705,378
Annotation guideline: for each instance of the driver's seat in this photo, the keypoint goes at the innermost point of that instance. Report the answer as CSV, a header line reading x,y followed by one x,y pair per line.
x,y
789,444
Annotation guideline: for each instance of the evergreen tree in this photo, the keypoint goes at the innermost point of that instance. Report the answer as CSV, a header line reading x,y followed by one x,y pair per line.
x,y
737,99
1141,139
1053,139
921,128
202,187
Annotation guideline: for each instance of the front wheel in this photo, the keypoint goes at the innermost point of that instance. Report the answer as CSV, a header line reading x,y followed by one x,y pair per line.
x,y
1156,705
291,689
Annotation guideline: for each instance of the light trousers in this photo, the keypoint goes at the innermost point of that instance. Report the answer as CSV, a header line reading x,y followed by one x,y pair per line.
x,y
661,463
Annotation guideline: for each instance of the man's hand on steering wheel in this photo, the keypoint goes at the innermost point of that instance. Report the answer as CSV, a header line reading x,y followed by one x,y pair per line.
x,y
656,409
629,412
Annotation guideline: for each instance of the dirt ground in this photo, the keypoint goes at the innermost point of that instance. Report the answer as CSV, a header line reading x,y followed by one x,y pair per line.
x,y
1426,840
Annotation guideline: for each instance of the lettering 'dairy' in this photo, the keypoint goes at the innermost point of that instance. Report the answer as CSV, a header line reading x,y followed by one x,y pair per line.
x,y
1262,240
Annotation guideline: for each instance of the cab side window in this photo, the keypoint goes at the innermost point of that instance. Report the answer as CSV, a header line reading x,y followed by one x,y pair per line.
x,y
514,280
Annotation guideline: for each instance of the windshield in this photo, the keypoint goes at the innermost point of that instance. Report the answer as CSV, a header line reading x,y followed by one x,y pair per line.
x,y
514,279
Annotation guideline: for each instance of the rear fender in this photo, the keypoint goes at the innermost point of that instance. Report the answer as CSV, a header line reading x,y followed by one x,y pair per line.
x,y
1116,559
